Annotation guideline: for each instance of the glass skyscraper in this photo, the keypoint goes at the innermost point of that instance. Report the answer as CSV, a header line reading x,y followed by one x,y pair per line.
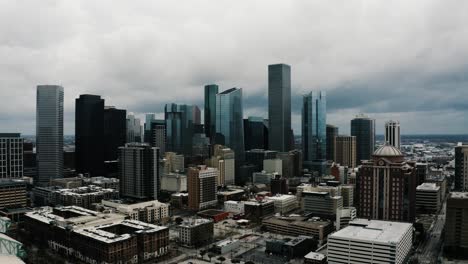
x,y
254,133
363,128
49,133
179,128
279,107
314,127
210,110
229,121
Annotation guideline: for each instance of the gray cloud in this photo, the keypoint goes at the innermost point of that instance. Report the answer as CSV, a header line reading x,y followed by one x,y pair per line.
x,y
391,59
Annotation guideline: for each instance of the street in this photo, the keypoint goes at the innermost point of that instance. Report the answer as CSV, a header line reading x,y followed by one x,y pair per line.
x,y
429,251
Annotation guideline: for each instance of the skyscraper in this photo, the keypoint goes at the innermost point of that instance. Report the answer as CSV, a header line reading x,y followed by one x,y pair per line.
x,y
345,151
314,128
115,131
201,187
332,132
179,128
461,168
147,132
49,133
210,110
140,171
11,155
229,121
279,107
254,133
157,135
363,128
133,129
392,133
89,134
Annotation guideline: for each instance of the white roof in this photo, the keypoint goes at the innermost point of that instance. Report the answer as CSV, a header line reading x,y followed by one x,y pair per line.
x,y
282,197
426,186
459,195
373,231
315,256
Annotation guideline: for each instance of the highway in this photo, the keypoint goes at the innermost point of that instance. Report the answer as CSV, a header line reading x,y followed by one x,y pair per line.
x,y
429,251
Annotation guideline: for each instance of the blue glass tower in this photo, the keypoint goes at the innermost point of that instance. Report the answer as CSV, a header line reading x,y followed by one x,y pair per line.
x,y
314,128
179,128
210,110
229,121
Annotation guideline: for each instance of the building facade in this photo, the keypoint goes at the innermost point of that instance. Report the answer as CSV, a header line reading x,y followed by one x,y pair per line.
x,y
211,91
134,130
363,128
49,133
11,155
201,187
254,133
332,132
196,232
115,131
392,133
461,168
456,225
345,151
314,127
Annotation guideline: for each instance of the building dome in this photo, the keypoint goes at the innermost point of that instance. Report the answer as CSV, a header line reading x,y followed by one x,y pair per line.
x,y
387,151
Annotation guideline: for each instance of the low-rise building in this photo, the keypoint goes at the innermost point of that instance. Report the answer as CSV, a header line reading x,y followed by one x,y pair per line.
x,y
255,211
226,246
215,215
103,182
196,232
82,196
295,248
234,207
149,212
13,193
315,258
427,198
263,177
322,204
174,182
299,225
230,194
344,216
284,203
371,241
179,200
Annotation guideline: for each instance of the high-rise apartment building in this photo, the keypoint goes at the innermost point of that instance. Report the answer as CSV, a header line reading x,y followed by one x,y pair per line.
x,y
140,171
229,121
201,187
115,131
314,128
11,155
392,133
49,133
387,186
461,168
254,133
279,107
332,132
89,134
345,151
133,129
363,128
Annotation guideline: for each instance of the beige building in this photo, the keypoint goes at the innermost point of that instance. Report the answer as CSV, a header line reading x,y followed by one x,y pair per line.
x,y
345,150
149,212
201,187
224,160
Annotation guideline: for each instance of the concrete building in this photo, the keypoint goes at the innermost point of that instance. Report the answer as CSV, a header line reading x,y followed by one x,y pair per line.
x,y
427,198
263,177
174,182
94,237
226,246
283,203
345,151
456,225
461,168
140,171
299,225
103,182
371,241
392,133
257,210
347,192
344,216
196,232
230,194
224,160
315,258
148,212
322,204
49,133
201,187
273,166
13,193
173,162
291,249
84,196
234,207
11,155
257,156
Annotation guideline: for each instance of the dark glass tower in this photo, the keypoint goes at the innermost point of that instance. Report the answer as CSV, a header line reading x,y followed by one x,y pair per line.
x,y
363,128
210,110
115,131
332,132
89,134
229,121
49,133
314,126
179,128
279,107
254,133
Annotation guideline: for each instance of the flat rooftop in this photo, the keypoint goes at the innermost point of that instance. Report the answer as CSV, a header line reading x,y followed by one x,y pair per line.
x,y
314,256
459,195
283,197
373,231
426,186
194,222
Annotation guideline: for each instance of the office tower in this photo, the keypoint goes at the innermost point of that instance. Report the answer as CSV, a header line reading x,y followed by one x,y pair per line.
x,y
456,225
287,159
201,145
314,130
196,115
201,186
223,159
49,133
279,185
254,133
147,132
89,134
157,135
363,128
332,132
115,131
11,155
392,133
179,128
461,168
257,156
133,129
245,173
428,198
229,121
279,107
140,171
387,186
210,110
297,162
345,151
370,241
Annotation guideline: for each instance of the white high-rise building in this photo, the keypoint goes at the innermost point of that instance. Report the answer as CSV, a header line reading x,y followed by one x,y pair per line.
x,y
49,133
371,241
392,133
11,155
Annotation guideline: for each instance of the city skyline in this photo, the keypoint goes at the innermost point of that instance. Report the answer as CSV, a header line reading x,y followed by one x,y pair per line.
x,y
384,72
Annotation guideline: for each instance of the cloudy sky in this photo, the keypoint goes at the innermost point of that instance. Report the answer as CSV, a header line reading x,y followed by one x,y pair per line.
x,y
405,60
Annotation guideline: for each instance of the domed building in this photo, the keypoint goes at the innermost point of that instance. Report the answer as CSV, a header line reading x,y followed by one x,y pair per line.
x,y
387,186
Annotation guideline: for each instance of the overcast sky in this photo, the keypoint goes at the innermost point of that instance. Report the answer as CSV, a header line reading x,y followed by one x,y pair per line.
x,y
405,60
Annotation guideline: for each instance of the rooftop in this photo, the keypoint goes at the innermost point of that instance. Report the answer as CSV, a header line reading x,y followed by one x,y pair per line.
x,y
282,197
388,151
459,195
314,256
427,186
194,222
373,230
